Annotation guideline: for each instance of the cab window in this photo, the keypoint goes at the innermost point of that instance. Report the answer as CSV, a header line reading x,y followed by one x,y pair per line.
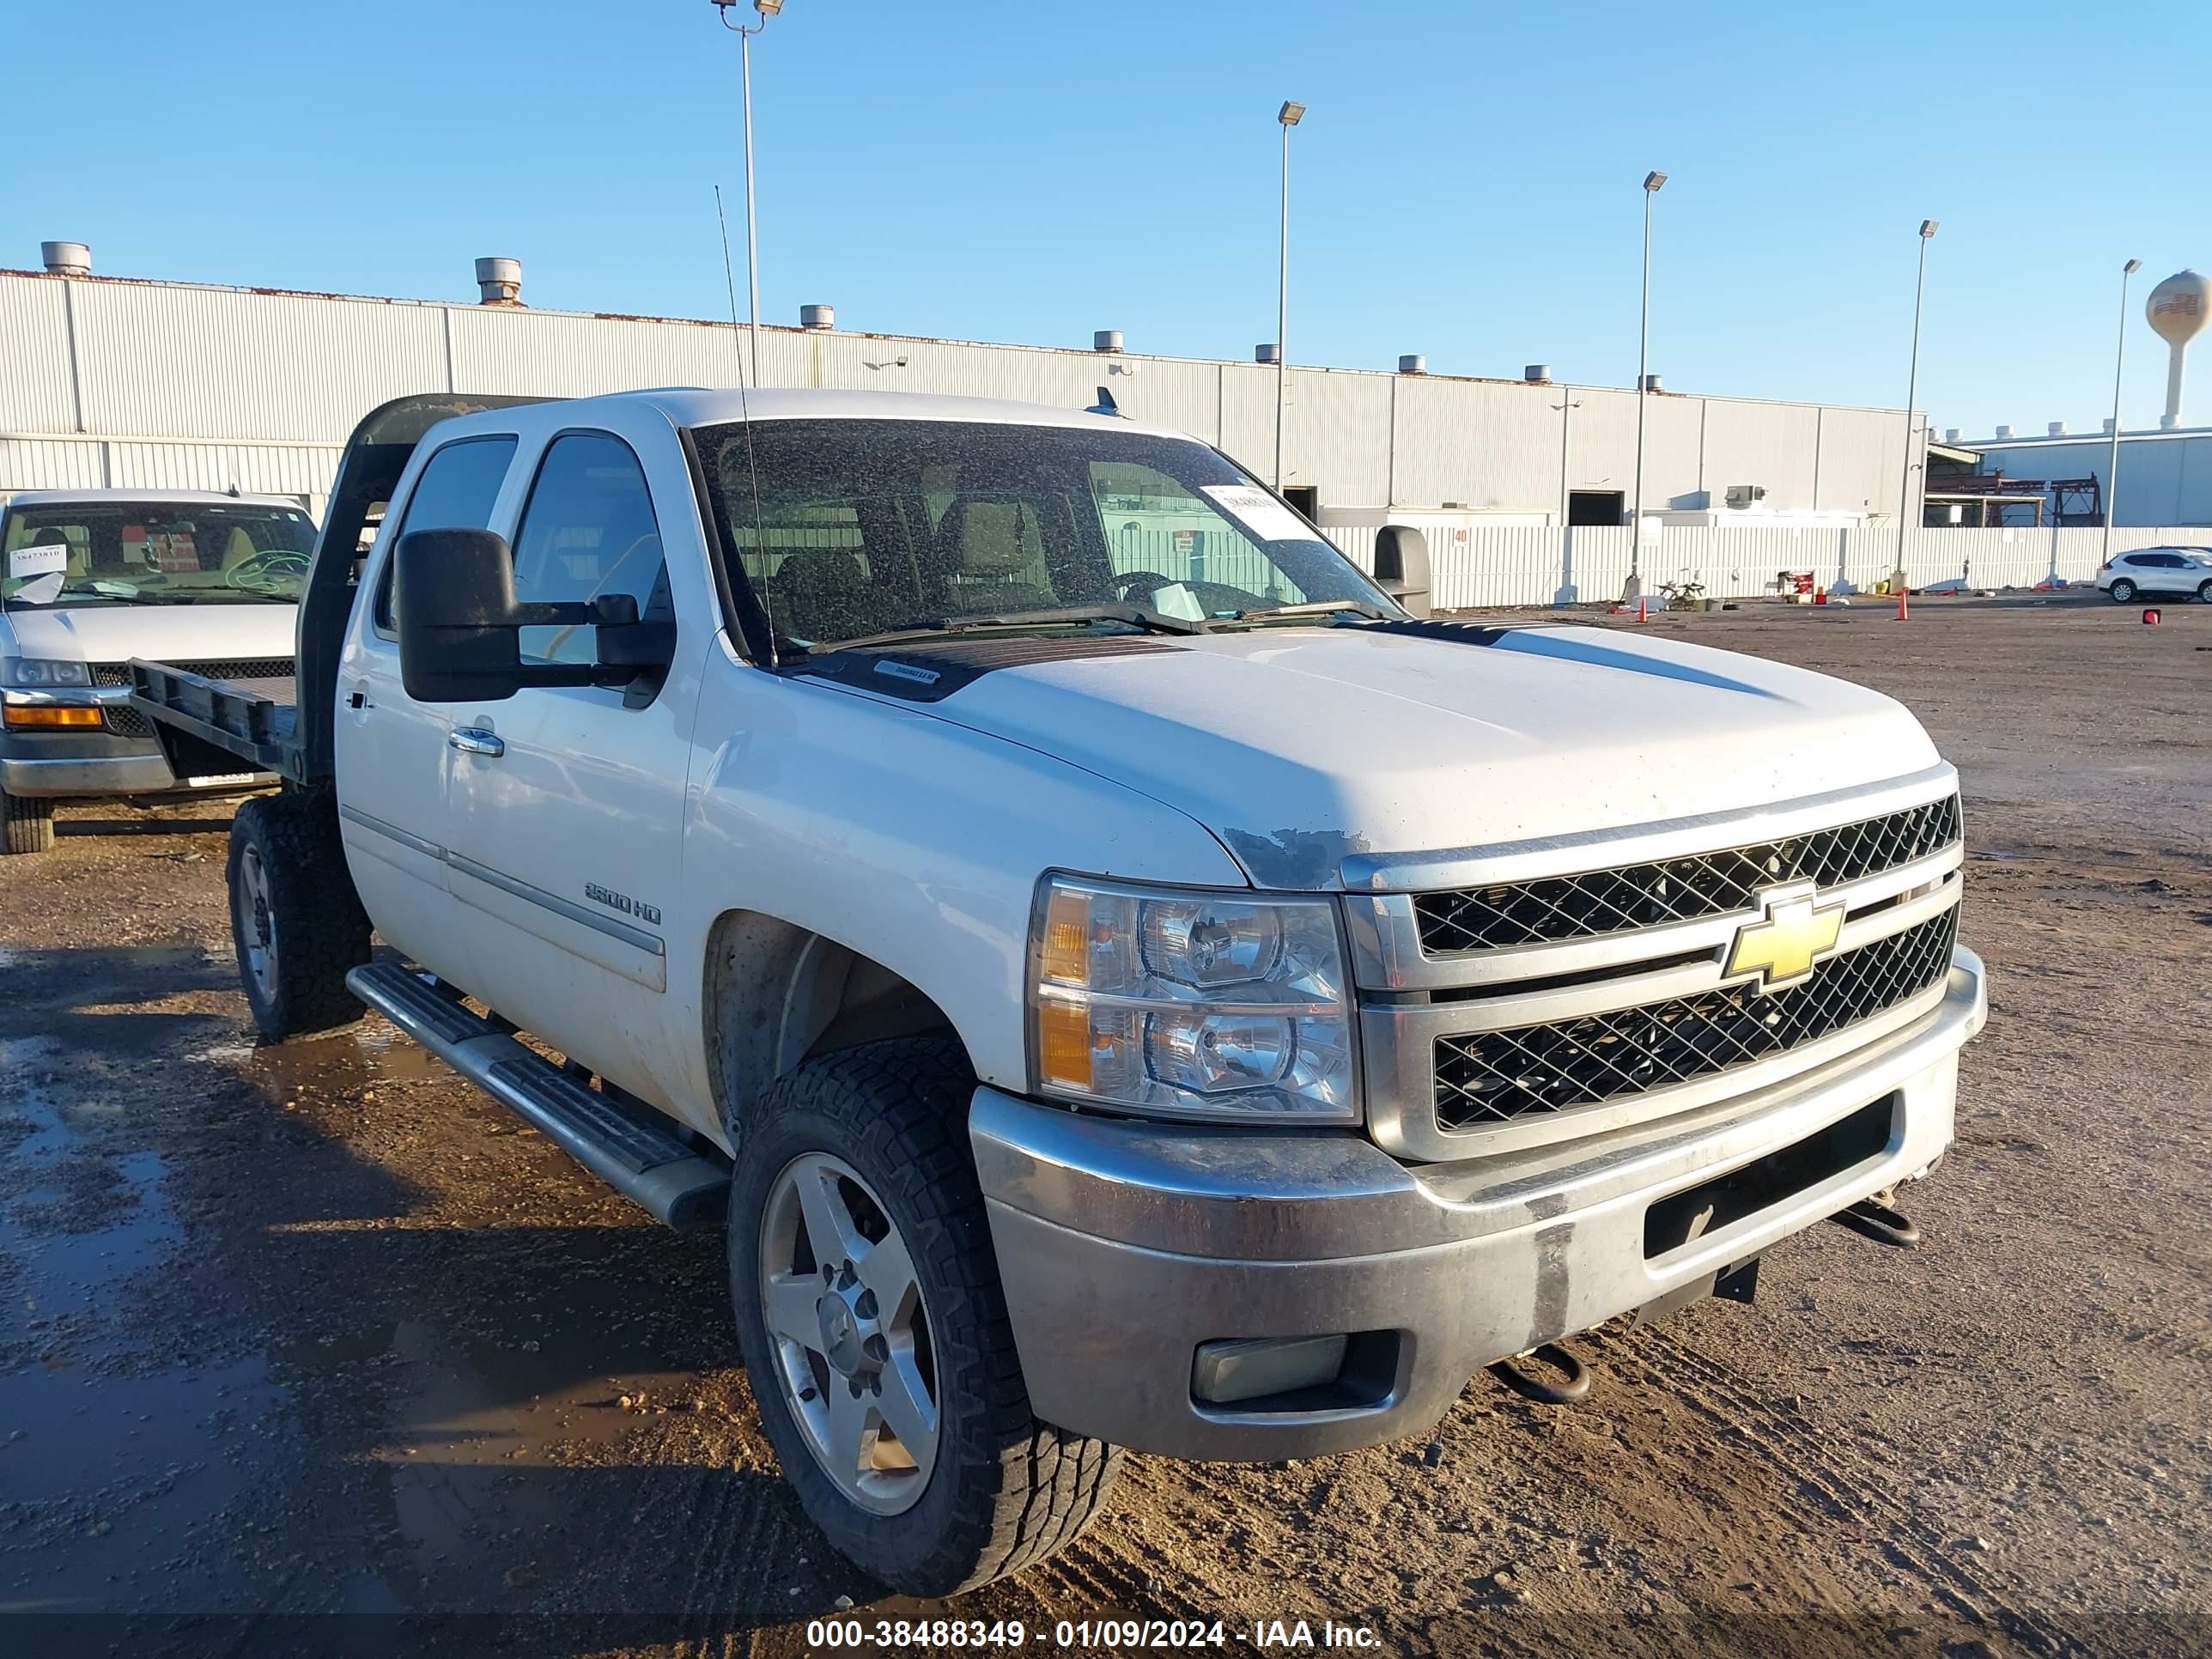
x,y
588,530
457,490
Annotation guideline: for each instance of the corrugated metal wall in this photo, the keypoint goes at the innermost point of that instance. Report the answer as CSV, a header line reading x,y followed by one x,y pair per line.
x,y
254,371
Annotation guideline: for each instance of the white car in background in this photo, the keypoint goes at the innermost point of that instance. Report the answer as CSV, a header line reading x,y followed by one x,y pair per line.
x,y
2175,572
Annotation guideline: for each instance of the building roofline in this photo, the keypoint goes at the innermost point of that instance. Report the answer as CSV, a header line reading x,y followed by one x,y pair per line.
x,y
928,339
2044,441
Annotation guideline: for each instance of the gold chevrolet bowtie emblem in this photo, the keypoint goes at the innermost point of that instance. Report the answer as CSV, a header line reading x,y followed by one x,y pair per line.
x,y
1793,932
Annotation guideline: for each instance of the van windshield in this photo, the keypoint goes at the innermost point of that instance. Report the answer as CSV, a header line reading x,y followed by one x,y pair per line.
x,y
153,552
850,528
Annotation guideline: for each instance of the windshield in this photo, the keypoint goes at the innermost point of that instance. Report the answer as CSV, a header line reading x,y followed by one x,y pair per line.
x,y
847,528
154,553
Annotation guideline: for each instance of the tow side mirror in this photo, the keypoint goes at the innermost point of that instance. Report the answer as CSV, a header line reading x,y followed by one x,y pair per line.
x,y
1401,566
460,625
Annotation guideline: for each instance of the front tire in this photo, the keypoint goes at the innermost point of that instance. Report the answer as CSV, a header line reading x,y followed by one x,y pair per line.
x,y
875,1332
28,821
2124,592
295,917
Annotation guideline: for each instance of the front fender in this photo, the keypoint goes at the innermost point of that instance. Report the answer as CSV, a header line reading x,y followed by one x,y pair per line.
x,y
910,839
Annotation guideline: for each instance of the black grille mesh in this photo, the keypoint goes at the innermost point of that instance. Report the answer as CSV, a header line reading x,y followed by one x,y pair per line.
x,y
1498,1076
1677,889
125,721
222,668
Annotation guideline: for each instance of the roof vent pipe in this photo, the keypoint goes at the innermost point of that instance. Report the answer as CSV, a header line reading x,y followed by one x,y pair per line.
x,y
499,282
1266,353
1412,363
2111,426
66,259
1651,382
2057,428
2004,432
818,317
1106,339
1950,435
1537,375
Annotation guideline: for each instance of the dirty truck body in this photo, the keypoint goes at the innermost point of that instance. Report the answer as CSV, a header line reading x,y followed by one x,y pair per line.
x,y
1125,980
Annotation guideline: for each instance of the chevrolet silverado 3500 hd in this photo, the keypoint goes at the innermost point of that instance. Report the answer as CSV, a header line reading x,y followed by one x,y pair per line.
x,y
1124,978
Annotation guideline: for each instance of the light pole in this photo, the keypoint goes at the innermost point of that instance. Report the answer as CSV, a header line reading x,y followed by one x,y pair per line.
x,y
1289,116
767,9
1652,183
1911,391
2113,467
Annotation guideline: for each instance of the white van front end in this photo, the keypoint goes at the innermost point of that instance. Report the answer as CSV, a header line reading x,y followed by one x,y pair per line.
x,y
94,578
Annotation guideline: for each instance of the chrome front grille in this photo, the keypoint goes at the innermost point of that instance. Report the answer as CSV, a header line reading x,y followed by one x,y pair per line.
x,y
1499,1077
1532,992
1556,908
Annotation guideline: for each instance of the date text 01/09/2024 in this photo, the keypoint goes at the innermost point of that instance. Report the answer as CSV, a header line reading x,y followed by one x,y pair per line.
x,y
1082,1634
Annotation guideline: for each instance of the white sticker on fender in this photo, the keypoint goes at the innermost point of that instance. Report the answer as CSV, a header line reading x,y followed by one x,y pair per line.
x,y
1267,518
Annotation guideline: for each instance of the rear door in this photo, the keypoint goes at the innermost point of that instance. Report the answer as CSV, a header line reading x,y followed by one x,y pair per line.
x,y
392,756
568,803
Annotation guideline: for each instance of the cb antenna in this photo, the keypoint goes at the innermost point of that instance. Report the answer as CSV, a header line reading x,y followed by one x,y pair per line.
x,y
729,281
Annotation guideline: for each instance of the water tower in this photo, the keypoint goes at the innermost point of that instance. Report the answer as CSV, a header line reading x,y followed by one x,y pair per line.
x,y
2177,308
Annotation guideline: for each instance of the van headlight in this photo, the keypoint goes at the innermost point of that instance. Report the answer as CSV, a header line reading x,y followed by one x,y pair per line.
x,y
43,672
1191,1005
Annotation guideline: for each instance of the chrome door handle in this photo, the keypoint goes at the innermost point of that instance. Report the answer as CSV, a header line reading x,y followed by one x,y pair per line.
x,y
474,740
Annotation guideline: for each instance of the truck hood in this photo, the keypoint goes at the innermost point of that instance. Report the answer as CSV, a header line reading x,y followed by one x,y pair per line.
x,y
1299,747
171,633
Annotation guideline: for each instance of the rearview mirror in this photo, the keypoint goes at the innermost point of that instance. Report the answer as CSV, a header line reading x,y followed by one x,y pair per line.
x,y
460,625
1401,566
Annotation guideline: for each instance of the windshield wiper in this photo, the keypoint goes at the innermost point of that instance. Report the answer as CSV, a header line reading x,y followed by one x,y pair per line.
x,y
1154,622
1366,608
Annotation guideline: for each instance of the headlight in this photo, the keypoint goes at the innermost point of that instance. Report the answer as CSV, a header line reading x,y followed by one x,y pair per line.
x,y
1192,1005
44,672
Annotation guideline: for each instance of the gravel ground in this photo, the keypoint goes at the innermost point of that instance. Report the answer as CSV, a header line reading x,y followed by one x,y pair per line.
x,y
316,1331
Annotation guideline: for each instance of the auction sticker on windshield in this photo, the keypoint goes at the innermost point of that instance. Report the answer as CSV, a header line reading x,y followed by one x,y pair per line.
x,y
40,569
1260,514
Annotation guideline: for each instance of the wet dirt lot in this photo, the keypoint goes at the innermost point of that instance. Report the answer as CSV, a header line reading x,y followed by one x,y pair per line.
x,y
288,1335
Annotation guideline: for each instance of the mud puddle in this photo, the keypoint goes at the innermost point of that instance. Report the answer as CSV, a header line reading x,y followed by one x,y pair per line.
x,y
111,1456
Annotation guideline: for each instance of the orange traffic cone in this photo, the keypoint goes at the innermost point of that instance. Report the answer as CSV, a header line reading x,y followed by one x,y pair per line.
x,y
1902,590
1641,614
2152,618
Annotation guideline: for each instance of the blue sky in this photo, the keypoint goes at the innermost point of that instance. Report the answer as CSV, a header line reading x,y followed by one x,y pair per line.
x,y
1464,184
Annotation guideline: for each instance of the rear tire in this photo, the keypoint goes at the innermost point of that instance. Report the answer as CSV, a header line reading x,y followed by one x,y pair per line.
x,y
294,916
886,1124
29,821
2124,592
2204,591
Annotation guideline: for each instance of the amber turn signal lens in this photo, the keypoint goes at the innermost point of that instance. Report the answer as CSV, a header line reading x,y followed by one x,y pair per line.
x,y
52,714
1067,936
1064,1042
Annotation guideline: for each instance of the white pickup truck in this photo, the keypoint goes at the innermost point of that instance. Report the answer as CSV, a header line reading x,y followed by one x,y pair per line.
x,y
94,578
1123,987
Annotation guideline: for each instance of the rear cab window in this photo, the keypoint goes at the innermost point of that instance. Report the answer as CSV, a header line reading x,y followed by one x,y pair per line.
x,y
457,490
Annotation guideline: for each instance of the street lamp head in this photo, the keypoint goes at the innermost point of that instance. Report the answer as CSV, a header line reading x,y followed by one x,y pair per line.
x,y
1927,229
1290,113
1653,180
2132,267
767,8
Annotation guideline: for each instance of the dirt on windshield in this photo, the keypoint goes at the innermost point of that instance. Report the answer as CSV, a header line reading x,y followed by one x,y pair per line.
x,y
315,1349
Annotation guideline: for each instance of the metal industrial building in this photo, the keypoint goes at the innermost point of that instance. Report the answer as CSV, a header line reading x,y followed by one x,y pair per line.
x,y
2165,475
130,383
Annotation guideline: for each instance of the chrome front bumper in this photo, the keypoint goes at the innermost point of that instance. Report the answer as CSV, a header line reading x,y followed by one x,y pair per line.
x,y
1124,1246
